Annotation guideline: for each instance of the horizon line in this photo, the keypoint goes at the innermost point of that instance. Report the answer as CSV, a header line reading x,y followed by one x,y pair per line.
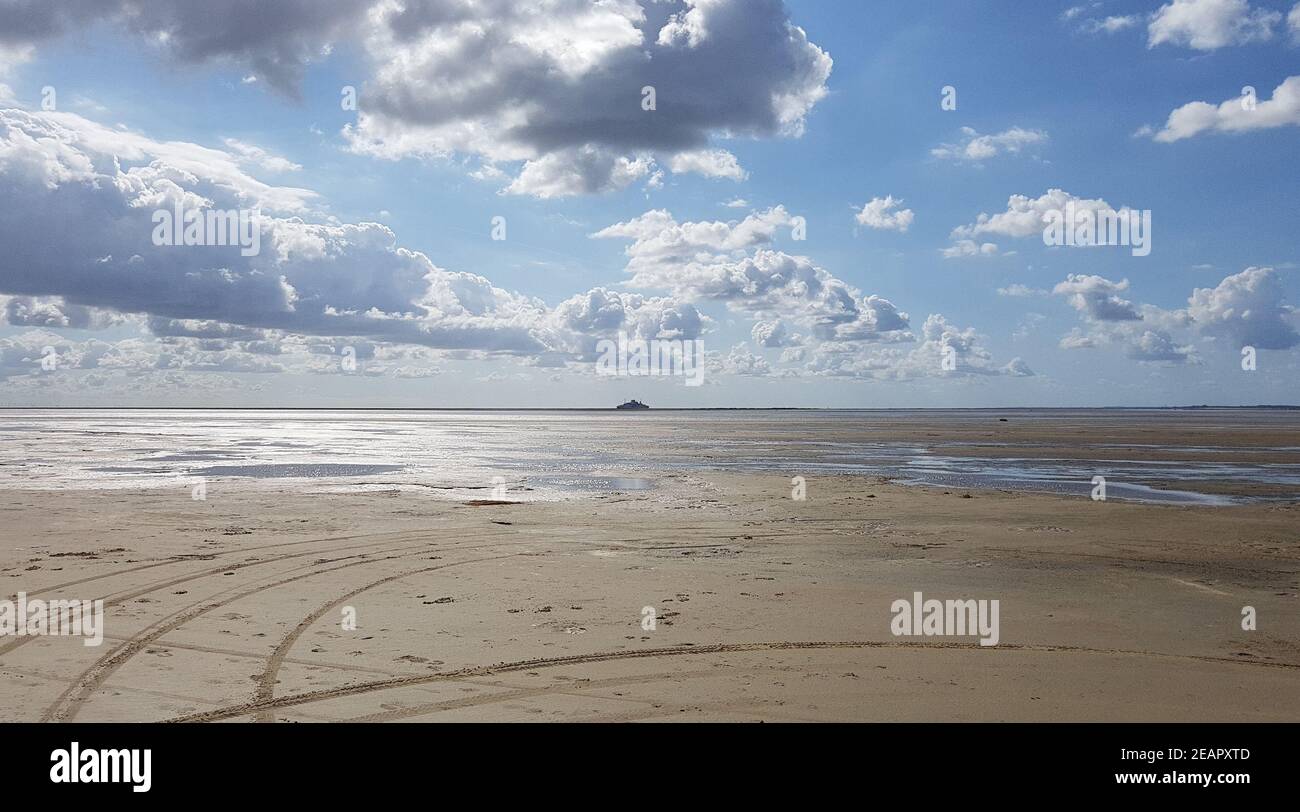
x,y
1280,406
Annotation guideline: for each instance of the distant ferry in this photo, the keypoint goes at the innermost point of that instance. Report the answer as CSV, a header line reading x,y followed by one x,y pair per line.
x,y
632,404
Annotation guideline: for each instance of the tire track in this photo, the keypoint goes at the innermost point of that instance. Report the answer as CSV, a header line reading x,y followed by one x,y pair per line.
x,y
525,693
179,559
118,598
249,655
69,702
307,697
267,679
1167,562
65,707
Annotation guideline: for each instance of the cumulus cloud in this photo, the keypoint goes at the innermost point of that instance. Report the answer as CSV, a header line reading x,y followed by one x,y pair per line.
x,y
844,333
1077,339
740,361
1023,217
1207,25
53,312
885,213
579,322
1157,345
80,254
974,147
186,356
1234,115
39,351
1097,297
555,84
774,334
944,350
731,262
578,171
969,248
711,163
1246,308
560,83
275,47
1018,368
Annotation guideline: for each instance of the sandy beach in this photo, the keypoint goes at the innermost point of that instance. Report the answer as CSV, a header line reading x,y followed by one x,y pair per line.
x,y
765,607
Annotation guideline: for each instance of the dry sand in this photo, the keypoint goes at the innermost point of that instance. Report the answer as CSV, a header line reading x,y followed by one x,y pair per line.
x,y
767,608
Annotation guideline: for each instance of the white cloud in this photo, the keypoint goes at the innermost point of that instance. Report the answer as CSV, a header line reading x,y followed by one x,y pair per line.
x,y
740,361
1293,24
1157,345
1246,308
578,171
80,255
1234,115
1019,290
731,263
1023,217
579,322
260,157
1097,298
1139,342
275,48
54,312
23,353
884,213
774,334
554,83
1206,25
969,248
711,163
974,147
845,333
1017,368
940,341
1110,25
558,84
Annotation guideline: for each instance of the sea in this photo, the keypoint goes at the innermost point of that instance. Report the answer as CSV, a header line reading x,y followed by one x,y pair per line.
x,y
562,454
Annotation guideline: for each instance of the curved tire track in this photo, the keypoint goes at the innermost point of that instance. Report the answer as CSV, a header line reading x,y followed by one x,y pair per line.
x,y
154,586
267,679
523,693
66,706
180,559
307,697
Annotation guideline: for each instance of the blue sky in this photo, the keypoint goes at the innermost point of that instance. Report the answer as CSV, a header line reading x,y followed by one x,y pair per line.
x,y
1074,96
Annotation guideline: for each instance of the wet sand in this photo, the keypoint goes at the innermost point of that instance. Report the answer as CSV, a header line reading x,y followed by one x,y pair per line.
x,y
767,608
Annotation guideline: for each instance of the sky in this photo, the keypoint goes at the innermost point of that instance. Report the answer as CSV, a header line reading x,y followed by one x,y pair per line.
x,y
463,203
